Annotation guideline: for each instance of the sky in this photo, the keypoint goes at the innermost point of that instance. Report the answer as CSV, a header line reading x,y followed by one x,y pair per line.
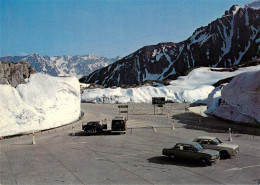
x,y
106,28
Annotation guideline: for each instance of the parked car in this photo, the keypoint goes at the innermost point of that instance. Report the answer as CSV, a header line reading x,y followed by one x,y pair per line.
x,y
192,151
93,127
225,149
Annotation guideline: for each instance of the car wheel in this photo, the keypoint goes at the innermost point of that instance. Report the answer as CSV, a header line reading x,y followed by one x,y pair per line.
x,y
204,162
224,154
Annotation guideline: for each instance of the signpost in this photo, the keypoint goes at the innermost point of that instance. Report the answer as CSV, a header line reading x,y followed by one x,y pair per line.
x,y
123,111
160,101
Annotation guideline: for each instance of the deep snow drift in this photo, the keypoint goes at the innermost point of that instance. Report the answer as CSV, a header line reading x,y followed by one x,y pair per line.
x,y
43,102
196,86
239,100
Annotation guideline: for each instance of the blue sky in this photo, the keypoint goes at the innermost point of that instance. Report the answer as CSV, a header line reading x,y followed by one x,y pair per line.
x,y
107,28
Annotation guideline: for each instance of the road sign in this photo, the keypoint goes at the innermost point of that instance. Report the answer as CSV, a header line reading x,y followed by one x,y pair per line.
x,y
158,100
123,111
122,106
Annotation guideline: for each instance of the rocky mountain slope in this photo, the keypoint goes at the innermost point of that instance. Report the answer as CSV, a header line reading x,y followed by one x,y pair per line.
x,y
232,39
63,65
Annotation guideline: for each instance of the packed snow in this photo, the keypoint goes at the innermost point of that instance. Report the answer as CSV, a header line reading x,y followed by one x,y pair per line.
x,y
195,87
239,100
43,102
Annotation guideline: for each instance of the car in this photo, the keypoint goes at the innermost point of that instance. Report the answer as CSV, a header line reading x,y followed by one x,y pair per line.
x,y
226,150
192,151
93,127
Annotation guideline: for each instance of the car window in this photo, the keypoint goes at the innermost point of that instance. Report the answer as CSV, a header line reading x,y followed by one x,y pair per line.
x,y
188,148
217,141
204,141
198,147
177,147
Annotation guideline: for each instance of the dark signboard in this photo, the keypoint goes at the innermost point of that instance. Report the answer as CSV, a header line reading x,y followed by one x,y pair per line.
x,y
122,106
158,100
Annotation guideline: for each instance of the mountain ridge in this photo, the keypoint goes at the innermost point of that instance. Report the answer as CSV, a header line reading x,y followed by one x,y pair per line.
x,y
226,41
65,65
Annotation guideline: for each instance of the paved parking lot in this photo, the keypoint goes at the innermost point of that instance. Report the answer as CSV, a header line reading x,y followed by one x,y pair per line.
x,y
133,158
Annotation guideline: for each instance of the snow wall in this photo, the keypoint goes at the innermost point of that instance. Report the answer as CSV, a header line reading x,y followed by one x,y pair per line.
x,y
239,100
43,102
195,87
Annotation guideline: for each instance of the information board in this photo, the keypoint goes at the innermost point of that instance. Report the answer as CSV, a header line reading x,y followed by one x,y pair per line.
x,y
122,106
158,100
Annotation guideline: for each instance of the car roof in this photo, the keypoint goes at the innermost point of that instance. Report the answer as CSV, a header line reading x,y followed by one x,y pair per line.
x,y
205,137
91,122
119,118
188,143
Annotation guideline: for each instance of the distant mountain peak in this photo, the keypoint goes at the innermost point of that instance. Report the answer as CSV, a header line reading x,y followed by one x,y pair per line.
x,y
66,65
253,5
33,55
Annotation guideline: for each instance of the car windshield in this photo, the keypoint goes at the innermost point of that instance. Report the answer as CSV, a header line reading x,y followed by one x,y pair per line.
x,y
92,123
198,147
217,141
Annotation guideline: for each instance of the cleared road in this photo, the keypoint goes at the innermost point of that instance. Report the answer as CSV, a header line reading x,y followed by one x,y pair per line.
x,y
133,158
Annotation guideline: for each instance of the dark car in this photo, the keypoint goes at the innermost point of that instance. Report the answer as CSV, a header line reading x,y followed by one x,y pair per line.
x,y
93,127
192,151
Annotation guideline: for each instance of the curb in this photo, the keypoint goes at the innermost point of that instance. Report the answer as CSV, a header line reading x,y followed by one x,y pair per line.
x,y
82,114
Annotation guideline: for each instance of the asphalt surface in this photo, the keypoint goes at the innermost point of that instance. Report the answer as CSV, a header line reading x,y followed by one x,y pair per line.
x,y
59,157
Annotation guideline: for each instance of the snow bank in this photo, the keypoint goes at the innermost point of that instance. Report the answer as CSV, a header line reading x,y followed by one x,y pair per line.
x,y
194,87
43,102
145,94
213,100
240,99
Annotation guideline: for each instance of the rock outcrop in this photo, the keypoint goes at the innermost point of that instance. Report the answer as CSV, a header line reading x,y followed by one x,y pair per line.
x,y
14,73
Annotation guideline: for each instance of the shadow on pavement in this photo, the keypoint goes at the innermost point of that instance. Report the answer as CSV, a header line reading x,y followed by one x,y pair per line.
x,y
172,161
213,124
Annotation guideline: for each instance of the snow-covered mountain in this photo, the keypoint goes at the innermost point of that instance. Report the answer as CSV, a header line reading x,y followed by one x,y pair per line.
x,y
63,65
230,40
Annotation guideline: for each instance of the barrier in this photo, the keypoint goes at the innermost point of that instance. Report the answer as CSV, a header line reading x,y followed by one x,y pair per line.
x,y
230,136
173,125
73,130
33,139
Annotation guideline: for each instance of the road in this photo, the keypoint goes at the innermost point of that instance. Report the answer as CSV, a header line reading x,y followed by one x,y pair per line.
x,y
134,158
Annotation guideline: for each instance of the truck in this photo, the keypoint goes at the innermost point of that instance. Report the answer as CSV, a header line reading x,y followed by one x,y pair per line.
x,y
118,125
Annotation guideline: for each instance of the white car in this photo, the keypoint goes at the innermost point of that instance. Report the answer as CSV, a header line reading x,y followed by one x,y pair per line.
x,y
225,149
